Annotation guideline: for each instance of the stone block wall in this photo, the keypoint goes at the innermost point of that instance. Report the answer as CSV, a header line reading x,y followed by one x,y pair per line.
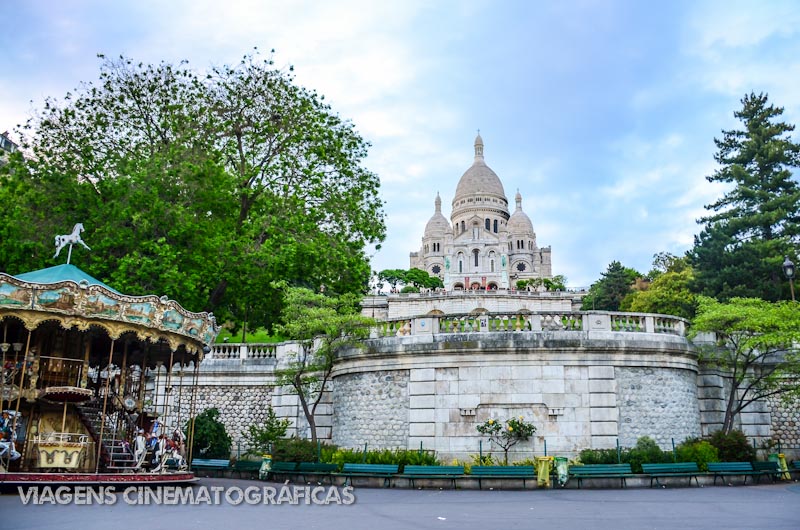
x,y
657,402
239,407
371,408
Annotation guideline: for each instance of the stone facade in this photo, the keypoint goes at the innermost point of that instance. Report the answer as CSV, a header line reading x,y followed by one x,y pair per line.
x,y
371,408
653,401
785,422
584,379
239,407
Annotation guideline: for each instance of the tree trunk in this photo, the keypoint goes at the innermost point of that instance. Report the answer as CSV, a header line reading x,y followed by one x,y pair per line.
x,y
312,425
727,424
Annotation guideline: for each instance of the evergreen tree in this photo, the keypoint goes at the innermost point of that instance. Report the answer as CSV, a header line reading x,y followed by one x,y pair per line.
x,y
741,248
607,293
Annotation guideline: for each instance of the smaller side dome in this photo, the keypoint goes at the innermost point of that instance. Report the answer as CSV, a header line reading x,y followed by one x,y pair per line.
x,y
438,224
519,222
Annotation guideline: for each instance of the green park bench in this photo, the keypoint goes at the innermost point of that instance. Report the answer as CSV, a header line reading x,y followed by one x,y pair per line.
x,y
726,469
677,469
769,469
210,464
590,471
316,469
482,473
385,471
286,469
251,467
433,472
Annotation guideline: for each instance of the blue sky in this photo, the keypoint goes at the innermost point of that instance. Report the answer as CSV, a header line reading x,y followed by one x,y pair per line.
x,y
602,113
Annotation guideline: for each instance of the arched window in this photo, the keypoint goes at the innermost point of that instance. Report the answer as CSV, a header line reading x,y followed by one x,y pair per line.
x,y
460,266
488,224
495,226
463,226
476,254
491,266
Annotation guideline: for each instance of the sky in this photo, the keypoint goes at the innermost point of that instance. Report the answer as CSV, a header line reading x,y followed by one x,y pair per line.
x,y
602,114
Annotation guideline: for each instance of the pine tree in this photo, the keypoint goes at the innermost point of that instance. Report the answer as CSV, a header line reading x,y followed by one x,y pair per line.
x,y
741,248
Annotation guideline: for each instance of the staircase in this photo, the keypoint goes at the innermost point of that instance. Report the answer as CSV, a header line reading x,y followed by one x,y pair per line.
x,y
115,454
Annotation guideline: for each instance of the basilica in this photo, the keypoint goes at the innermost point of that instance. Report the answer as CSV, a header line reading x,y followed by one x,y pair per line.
x,y
483,246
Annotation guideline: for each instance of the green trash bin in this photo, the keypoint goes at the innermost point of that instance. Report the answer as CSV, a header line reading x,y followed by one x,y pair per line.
x,y
780,459
544,464
562,470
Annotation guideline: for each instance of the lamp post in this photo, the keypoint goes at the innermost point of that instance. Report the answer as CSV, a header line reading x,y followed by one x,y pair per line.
x,y
788,270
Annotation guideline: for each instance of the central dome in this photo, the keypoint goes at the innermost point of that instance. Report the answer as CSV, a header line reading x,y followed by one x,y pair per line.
x,y
479,179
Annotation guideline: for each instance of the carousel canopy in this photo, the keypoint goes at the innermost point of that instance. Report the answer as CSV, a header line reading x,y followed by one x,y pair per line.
x,y
76,299
61,273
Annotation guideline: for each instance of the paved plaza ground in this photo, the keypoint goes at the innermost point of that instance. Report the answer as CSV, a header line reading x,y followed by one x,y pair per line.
x,y
773,507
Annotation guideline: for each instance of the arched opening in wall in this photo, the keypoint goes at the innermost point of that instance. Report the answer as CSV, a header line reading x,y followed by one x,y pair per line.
x,y
476,255
479,311
475,286
492,286
458,286
434,313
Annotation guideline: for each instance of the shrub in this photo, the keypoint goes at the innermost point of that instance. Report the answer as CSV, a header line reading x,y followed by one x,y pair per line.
x,y
700,451
211,440
516,430
294,450
400,457
733,447
646,451
260,438
600,456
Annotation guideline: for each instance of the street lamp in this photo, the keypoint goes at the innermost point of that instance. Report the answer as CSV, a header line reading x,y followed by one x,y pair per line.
x,y
788,270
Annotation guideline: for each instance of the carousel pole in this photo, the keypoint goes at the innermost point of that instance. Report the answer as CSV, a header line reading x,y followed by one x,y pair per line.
x,y
193,400
168,389
140,399
105,404
22,376
4,347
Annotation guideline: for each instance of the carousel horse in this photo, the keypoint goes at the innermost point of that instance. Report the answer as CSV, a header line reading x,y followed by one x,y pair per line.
x,y
70,239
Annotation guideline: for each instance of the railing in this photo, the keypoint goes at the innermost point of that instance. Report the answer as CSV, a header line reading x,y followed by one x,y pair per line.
x,y
499,322
56,371
242,351
539,321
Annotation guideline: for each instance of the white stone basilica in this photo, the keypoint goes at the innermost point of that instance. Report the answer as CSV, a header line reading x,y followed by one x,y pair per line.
x,y
485,247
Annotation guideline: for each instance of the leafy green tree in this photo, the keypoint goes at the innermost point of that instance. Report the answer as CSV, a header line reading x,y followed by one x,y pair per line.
x,y
556,283
506,436
741,248
669,292
211,440
610,290
322,326
260,437
205,187
756,347
412,277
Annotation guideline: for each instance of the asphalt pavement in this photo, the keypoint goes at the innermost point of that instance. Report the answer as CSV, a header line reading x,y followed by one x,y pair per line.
x,y
773,507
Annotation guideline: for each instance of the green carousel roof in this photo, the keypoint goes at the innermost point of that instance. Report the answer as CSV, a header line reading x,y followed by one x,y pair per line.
x,y
61,273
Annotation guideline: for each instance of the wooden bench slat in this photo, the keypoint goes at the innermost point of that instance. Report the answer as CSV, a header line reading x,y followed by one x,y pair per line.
x,y
492,472
386,471
451,473
589,471
212,464
676,469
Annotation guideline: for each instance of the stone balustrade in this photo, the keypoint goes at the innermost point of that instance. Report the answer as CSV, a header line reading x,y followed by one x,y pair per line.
x,y
243,351
539,321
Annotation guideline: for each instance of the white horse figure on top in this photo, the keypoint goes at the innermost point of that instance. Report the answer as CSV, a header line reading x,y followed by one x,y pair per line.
x,y
70,239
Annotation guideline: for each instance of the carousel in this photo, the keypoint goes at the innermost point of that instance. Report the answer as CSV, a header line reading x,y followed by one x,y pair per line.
x,y
95,386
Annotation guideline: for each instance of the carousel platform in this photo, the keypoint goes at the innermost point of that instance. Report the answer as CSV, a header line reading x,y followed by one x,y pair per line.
x,y
96,479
